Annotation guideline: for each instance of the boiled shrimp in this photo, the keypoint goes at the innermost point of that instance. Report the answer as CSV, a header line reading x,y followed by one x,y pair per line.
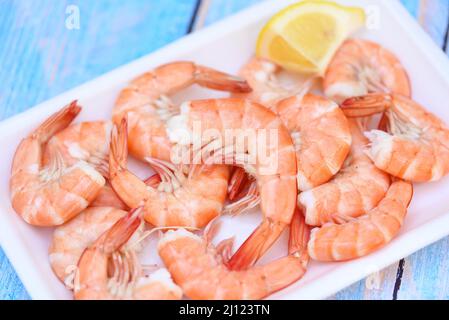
x,y
200,268
52,194
360,67
72,238
416,147
354,190
267,154
178,200
109,270
146,103
318,127
89,142
86,141
321,136
365,234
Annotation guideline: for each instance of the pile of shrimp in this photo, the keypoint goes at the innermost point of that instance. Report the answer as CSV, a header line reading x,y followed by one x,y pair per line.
x,y
337,174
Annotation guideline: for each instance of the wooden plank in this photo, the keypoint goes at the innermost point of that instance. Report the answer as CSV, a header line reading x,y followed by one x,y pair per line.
x,y
42,58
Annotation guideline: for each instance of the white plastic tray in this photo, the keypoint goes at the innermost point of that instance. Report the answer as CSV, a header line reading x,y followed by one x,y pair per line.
x,y
226,46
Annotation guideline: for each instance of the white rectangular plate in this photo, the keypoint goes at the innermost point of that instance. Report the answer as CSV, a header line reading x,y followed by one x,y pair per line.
x,y
226,46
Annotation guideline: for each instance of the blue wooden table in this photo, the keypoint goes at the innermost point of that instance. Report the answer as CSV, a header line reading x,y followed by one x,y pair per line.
x,y
45,50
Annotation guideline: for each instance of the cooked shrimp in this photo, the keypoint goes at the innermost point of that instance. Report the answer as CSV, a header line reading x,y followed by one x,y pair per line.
x,y
148,108
360,67
109,270
89,142
52,194
354,190
179,200
321,136
245,133
318,127
363,235
200,268
416,147
72,238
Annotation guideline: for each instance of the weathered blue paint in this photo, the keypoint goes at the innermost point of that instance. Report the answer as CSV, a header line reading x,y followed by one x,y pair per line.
x,y
412,6
11,287
41,58
219,9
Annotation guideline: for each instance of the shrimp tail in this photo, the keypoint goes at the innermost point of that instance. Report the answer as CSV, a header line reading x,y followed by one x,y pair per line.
x,y
120,232
130,189
217,80
287,270
153,181
237,182
246,200
383,123
57,122
256,245
367,105
299,233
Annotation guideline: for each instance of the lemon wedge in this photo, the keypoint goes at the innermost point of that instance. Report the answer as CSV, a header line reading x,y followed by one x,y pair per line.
x,y
304,36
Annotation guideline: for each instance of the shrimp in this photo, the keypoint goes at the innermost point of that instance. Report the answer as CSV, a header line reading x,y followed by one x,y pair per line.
x,y
360,67
109,270
321,136
245,133
178,200
318,127
52,194
201,271
72,238
89,142
355,189
416,147
148,108
363,235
